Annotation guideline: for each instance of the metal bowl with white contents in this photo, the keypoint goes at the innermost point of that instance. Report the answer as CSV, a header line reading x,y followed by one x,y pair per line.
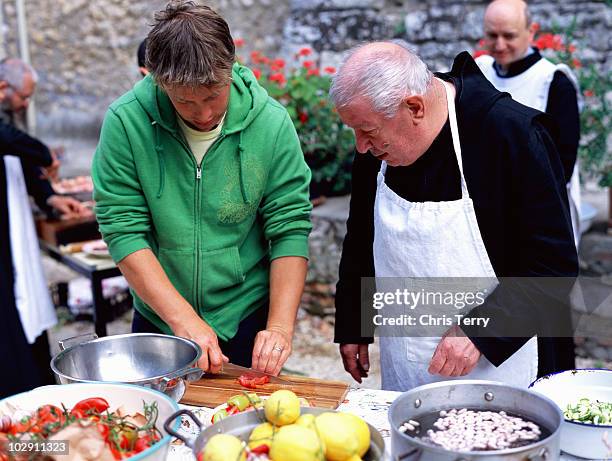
x,y
580,439
421,402
156,361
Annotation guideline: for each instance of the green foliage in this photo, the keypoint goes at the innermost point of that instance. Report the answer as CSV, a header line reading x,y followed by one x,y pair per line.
x,y
594,150
328,144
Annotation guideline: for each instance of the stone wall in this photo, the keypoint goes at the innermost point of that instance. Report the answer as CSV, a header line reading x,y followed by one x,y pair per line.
x,y
437,29
85,50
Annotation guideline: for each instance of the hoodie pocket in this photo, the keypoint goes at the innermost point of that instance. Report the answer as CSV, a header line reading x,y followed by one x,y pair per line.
x,y
220,273
179,266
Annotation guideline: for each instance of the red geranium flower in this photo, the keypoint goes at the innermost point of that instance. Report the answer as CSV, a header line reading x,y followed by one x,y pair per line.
x,y
330,70
256,57
589,93
303,117
536,26
479,53
257,73
576,63
312,72
238,42
305,51
280,63
278,78
308,64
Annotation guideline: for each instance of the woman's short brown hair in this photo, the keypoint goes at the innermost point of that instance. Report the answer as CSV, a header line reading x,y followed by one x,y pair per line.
x,y
189,45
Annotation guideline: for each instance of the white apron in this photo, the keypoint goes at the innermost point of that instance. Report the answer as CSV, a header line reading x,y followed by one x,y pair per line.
x,y
32,298
434,239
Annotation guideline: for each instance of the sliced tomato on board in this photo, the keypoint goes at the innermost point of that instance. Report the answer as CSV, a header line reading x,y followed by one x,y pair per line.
x,y
251,382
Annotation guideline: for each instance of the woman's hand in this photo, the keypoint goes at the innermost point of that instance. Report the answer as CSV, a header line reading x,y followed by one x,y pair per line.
x,y
271,350
199,331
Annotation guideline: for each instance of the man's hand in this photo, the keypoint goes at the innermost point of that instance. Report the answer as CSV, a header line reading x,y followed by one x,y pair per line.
x,y
52,171
68,207
199,331
455,355
356,360
271,350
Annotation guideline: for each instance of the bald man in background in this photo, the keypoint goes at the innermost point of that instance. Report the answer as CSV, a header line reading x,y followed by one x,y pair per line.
x,y
516,67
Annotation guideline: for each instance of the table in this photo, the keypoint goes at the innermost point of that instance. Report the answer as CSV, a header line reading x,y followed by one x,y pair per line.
x,y
370,404
96,270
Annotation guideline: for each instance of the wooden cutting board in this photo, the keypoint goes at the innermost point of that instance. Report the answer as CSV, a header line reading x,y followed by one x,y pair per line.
x,y
211,392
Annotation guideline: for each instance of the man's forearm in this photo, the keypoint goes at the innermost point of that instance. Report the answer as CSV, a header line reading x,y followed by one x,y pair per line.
x,y
147,278
287,276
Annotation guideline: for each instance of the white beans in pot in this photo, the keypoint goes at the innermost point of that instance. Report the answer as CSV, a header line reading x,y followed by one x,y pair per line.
x,y
469,430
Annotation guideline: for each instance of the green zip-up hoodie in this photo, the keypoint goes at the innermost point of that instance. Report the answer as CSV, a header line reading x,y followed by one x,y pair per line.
x,y
214,228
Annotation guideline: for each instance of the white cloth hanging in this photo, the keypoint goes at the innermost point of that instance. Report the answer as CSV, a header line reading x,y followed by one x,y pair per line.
x,y
32,296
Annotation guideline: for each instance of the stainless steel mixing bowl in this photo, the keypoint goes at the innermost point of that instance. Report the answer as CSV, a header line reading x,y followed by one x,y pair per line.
x,y
160,362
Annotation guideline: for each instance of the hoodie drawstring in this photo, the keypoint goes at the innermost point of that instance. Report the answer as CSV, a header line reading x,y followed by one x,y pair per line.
x,y
160,160
241,163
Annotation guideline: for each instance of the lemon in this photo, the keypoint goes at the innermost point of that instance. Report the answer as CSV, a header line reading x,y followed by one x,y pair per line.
x,y
224,447
361,430
338,437
282,407
261,435
296,443
306,420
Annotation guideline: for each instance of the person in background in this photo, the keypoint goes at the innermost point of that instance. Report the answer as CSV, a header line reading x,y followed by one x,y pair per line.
x,y
201,193
140,56
27,311
460,181
516,67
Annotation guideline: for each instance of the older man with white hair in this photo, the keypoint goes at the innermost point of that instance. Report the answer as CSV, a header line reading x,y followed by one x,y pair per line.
x,y
461,181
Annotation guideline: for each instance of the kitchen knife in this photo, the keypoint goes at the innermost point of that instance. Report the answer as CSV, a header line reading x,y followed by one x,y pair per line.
x,y
235,371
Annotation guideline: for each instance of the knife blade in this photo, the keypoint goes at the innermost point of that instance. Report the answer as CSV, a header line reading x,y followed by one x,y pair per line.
x,y
234,371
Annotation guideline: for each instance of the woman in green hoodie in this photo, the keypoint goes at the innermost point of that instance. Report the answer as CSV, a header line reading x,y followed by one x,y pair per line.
x,y
202,196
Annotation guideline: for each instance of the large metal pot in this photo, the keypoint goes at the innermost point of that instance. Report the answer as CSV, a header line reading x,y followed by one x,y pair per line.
x,y
242,424
156,361
480,395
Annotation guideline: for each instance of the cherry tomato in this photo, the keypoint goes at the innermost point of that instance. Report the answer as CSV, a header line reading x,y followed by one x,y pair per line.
x,y
117,454
22,426
50,414
91,406
143,443
103,430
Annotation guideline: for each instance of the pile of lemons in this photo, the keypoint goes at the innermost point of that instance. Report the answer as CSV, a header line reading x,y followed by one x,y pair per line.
x,y
290,436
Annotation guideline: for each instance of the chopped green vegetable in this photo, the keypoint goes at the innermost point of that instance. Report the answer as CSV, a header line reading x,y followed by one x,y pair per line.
x,y
590,412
